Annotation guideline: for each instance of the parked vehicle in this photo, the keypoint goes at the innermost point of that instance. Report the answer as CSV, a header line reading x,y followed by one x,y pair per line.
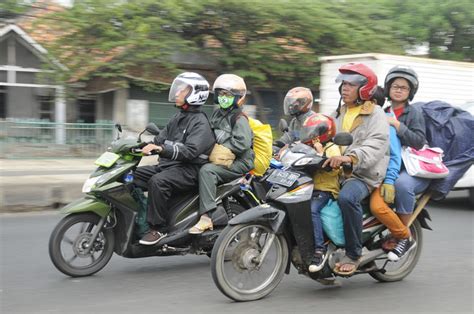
x,y
104,220
256,248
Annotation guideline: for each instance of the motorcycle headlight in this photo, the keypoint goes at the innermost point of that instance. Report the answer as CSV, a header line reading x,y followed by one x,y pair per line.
x,y
87,187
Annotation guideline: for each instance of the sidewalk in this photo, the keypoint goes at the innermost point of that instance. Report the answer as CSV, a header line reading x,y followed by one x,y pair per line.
x,y
43,183
38,184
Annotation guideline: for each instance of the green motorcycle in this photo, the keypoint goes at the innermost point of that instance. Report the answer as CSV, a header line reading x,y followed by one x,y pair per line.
x,y
111,216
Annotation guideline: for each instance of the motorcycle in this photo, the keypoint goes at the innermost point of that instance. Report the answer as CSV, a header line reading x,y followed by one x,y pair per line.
x,y
256,248
104,220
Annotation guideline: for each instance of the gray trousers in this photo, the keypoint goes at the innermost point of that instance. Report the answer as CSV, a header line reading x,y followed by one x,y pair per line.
x,y
210,176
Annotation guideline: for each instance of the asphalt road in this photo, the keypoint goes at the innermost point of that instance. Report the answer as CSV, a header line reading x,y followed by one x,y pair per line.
x,y
442,282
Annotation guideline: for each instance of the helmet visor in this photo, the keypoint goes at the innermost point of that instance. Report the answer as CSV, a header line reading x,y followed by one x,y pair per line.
x,y
310,133
352,78
179,90
294,105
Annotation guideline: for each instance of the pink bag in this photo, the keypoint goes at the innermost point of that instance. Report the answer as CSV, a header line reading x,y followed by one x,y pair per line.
x,y
424,163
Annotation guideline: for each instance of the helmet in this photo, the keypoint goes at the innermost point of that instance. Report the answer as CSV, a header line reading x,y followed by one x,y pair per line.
x,y
198,88
231,83
404,72
318,127
297,101
360,74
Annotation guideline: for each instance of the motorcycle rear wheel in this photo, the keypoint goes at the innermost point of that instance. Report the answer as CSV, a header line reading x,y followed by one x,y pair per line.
x,y
396,271
233,268
69,239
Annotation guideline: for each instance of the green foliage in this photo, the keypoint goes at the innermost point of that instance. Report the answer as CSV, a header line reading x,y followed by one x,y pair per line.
x,y
272,44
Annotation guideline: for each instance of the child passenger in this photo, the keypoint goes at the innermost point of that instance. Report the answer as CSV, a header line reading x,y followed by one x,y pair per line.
x,y
318,131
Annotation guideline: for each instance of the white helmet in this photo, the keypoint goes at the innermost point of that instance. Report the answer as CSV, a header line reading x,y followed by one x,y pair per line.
x,y
198,88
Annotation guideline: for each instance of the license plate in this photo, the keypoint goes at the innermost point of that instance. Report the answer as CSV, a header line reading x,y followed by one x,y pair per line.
x,y
281,177
107,159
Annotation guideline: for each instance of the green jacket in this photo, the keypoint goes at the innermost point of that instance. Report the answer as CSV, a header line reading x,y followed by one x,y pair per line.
x,y
238,139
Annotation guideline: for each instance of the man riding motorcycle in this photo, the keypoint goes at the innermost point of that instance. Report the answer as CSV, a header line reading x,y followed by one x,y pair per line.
x,y
298,102
184,146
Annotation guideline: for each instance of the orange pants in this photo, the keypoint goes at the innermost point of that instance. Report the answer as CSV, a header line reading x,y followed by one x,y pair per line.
x,y
387,216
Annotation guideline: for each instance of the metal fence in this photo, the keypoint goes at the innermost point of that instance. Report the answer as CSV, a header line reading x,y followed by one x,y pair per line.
x,y
44,139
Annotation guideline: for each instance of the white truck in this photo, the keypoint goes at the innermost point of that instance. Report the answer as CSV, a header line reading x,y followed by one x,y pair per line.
x,y
449,81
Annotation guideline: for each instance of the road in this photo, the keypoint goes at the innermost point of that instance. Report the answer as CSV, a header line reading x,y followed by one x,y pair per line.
x,y
441,283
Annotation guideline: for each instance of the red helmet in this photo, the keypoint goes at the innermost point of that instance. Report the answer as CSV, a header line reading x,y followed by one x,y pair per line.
x,y
318,127
361,74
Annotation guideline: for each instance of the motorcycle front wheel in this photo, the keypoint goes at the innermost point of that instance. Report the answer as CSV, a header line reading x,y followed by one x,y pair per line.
x,y
70,239
234,264
395,271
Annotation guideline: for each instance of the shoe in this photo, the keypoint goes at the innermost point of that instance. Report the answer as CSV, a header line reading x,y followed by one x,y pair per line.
x,y
152,237
403,247
203,224
318,261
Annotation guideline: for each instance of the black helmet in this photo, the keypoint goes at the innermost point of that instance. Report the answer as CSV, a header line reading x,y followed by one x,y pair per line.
x,y
404,72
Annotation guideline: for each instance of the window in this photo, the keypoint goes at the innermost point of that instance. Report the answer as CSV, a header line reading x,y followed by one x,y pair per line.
x,y
86,110
46,110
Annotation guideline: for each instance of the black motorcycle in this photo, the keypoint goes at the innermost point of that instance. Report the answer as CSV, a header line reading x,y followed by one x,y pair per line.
x,y
256,248
104,221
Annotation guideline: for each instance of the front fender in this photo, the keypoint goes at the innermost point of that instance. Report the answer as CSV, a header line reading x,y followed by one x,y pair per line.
x,y
87,204
265,214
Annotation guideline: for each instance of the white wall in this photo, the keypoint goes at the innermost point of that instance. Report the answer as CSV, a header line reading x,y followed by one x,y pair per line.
x,y
449,81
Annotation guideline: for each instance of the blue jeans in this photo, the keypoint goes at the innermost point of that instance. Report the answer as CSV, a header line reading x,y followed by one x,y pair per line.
x,y
406,189
318,201
352,193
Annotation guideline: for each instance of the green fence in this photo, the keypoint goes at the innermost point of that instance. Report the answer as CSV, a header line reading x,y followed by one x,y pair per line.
x,y
44,139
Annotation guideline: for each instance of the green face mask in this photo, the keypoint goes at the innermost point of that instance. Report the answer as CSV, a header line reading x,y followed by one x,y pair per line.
x,y
225,101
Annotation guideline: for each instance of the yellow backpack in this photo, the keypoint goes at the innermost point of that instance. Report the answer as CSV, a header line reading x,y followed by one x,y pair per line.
x,y
262,143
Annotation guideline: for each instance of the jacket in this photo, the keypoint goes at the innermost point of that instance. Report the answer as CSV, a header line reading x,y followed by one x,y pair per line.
x,y
295,127
395,162
238,139
412,127
369,150
187,138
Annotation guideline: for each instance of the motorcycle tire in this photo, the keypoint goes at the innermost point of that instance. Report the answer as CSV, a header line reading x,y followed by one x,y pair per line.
x,y
407,263
104,245
240,261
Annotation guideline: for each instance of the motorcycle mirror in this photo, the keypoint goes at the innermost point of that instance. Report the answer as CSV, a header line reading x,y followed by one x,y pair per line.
x,y
283,125
152,128
343,139
118,126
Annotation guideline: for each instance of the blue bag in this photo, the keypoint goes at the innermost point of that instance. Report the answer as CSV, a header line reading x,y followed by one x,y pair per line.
x,y
331,218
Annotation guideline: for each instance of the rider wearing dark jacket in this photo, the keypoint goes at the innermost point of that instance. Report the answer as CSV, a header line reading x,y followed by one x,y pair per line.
x,y
184,145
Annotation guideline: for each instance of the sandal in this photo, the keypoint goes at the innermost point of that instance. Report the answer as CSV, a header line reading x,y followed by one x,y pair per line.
x,y
203,224
346,261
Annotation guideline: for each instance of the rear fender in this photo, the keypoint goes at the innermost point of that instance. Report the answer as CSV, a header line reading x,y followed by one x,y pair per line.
x,y
87,204
264,214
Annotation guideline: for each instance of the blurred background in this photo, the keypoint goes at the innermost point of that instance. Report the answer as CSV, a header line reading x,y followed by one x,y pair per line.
x,y
70,70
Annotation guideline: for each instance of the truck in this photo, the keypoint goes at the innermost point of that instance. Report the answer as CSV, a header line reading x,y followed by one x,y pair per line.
x,y
449,81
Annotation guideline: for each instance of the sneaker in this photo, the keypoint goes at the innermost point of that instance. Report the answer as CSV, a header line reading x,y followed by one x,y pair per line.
x,y
317,263
152,237
403,247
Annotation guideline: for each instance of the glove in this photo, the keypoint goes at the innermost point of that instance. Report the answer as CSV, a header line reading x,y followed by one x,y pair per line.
x,y
387,191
